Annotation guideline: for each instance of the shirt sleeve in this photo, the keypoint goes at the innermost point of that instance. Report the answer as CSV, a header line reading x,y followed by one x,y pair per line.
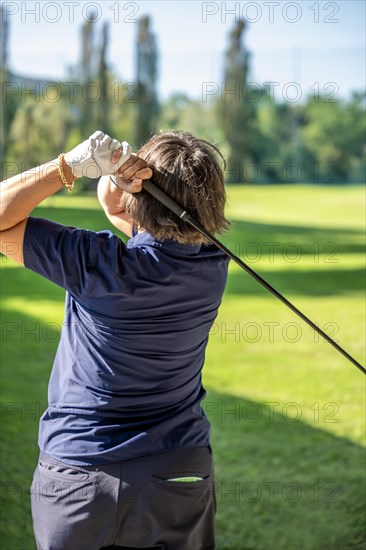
x,y
67,256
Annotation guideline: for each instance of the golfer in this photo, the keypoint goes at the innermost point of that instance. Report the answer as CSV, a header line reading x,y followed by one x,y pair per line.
x,y
125,457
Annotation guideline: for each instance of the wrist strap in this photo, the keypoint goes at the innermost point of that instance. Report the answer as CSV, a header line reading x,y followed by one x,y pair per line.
x,y
69,186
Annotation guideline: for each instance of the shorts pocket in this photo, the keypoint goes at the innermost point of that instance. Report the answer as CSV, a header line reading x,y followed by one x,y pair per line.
x,y
185,509
57,481
62,471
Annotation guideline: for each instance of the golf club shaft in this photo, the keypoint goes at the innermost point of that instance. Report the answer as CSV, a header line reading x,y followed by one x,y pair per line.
x,y
162,197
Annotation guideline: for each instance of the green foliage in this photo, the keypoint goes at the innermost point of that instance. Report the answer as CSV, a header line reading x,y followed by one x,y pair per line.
x,y
103,103
272,140
8,109
122,106
262,139
237,111
38,133
180,112
333,136
147,106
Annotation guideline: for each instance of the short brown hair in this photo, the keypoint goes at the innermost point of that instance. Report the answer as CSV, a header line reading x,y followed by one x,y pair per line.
x,y
187,169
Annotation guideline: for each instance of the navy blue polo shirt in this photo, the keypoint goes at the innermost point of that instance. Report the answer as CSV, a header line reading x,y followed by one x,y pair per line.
x,y
126,379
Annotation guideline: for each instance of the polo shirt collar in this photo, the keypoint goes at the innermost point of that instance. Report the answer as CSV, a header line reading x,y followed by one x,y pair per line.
x,y
144,238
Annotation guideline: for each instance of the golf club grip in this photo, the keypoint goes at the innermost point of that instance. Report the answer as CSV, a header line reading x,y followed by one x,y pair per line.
x,y
162,197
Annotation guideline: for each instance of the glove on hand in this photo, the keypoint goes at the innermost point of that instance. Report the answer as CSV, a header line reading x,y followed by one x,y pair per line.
x,y
92,158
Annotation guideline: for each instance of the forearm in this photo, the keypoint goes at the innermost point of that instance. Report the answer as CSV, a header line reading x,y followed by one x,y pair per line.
x,y
22,193
110,196
97,155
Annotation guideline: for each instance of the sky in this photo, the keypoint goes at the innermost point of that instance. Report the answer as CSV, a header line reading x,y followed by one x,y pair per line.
x,y
319,45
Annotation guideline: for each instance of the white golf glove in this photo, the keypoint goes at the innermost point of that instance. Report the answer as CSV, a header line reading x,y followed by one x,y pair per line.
x,y
92,158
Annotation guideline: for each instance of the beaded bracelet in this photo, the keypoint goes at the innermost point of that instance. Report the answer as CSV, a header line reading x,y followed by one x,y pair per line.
x,y
60,169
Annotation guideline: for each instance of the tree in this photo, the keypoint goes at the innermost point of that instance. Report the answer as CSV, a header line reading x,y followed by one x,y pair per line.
x,y
5,119
38,133
87,114
147,97
274,142
180,112
103,103
237,109
333,137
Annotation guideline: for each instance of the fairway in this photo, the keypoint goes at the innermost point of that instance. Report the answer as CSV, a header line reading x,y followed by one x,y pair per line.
x,y
287,410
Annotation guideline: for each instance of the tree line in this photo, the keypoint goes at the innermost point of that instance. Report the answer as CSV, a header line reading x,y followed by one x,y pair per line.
x,y
265,140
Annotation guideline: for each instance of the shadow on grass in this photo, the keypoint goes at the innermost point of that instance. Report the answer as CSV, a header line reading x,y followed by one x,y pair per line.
x,y
282,483
307,282
345,240
264,245
27,351
326,242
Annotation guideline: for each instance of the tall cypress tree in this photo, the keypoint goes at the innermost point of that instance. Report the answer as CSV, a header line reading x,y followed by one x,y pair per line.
x,y
4,36
103,104
147,97
87,73
4,119
237,111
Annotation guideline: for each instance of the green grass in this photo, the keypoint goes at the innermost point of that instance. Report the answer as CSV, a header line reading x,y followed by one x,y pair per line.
x,y
287,410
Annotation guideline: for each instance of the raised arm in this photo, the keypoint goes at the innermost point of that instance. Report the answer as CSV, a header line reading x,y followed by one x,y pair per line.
x,y
110,191
20,194
23,192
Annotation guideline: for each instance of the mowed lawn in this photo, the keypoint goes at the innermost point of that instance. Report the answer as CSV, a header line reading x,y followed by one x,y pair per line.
x,y
287,410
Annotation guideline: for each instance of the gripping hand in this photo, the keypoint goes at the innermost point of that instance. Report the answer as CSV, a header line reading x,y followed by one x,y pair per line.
x,y
93,157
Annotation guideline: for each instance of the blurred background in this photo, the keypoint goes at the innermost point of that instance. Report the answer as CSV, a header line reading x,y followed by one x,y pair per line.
x,y
279,87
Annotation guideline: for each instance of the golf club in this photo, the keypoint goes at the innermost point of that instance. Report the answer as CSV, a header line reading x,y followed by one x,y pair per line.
x,y
167,201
